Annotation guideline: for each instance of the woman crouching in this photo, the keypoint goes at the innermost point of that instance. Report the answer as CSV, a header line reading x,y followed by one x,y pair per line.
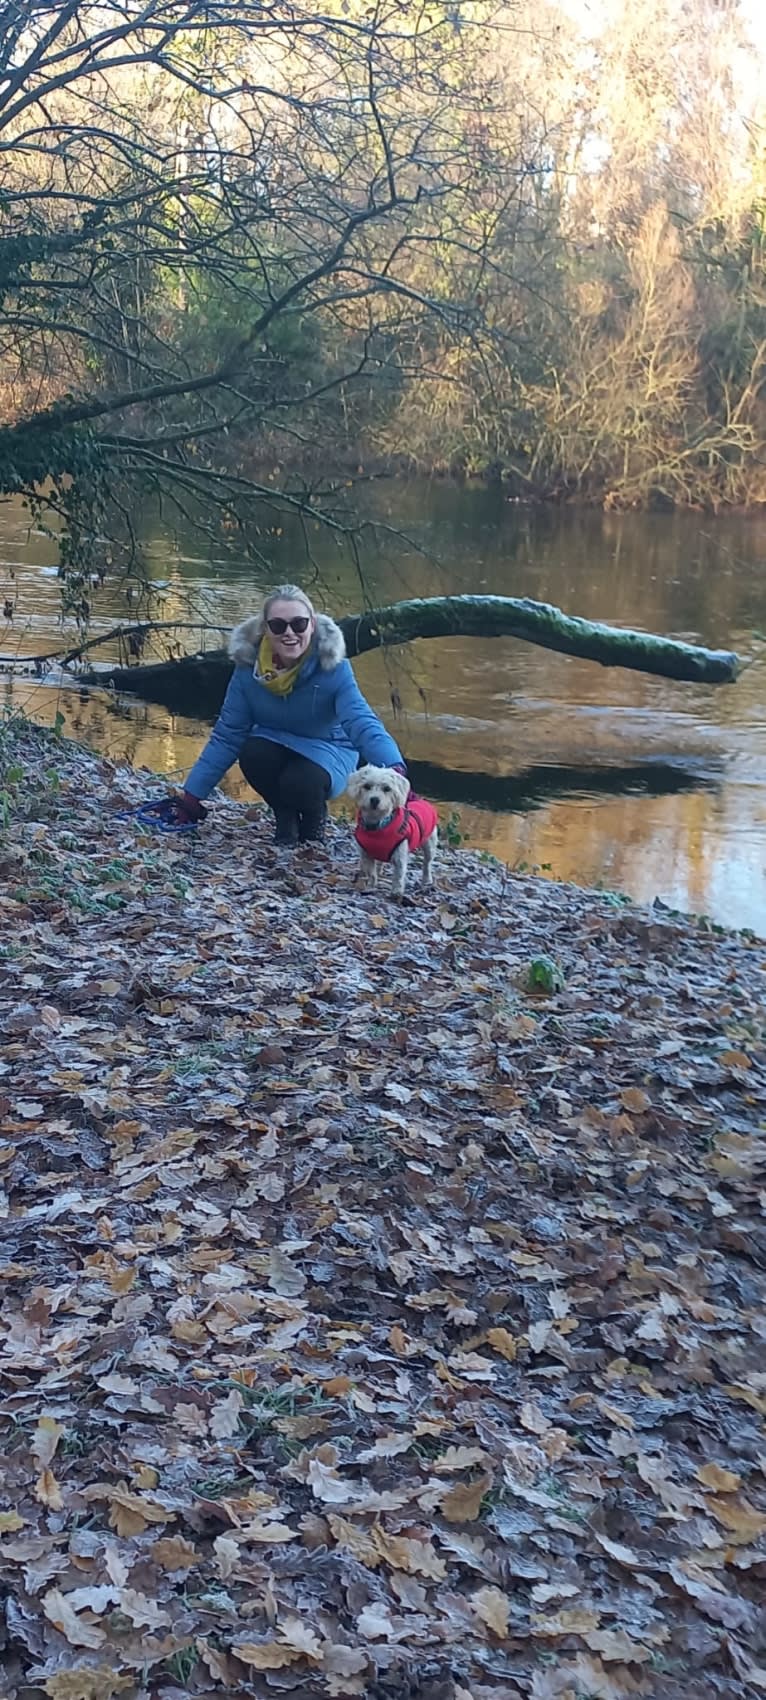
x,y
293,717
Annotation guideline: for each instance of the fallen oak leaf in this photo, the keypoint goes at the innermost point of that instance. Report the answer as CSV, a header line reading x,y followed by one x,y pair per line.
x,y
623,1555
48,1491
456,1458
218,1664
191,1420
544,1592
86,1682
571,1621
533,1419
414,1556
10,1521
225,1415
469,1550
94,1598
328,1485
143,1612
715,1602
265,1655
172,1552
675,1498
501,1341
129,1513
734,1059
284,1277
740,1390
375,1622
301,1639
358,1541
388,1446
720,1480
613,1414
635,1101
740,1518
578,1677
341,1665
493,1607
78,1631
617,1647
45,1441
539,1333
267,1534
462,1503
226,1556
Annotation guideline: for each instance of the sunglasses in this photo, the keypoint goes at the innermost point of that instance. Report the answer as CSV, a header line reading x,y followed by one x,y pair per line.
x,y
298,625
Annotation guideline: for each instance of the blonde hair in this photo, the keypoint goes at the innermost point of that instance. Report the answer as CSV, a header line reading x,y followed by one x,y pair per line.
x,y
287,593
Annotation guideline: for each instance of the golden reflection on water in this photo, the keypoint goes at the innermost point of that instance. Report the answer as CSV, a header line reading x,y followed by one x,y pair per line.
x,y
701,851
508,709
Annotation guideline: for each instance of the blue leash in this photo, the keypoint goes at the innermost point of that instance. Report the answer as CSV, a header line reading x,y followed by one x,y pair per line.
x,y
158,817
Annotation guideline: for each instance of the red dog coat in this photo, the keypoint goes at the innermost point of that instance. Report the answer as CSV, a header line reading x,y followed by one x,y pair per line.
x,y
415,823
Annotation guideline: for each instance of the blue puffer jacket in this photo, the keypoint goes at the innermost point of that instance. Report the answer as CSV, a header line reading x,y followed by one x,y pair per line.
x,y
325,717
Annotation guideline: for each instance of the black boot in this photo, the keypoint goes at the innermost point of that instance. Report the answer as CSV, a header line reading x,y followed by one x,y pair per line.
x,y
312,825
286,827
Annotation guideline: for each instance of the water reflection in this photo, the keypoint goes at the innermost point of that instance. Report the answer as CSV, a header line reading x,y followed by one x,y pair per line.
x,y
610,777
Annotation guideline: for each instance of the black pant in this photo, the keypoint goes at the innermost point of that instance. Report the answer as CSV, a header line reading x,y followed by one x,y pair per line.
x,y
289,783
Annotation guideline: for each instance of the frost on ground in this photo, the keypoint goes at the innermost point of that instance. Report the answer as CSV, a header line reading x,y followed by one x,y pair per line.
x,y
371,1323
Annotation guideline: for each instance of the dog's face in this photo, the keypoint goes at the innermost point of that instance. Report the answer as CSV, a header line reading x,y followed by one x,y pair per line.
x,y
377,792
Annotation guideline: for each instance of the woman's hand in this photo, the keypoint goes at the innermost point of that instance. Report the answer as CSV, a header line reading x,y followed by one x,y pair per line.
x,y
189,809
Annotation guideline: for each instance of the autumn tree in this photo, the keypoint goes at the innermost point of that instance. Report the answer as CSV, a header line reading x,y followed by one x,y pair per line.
x,y
209,229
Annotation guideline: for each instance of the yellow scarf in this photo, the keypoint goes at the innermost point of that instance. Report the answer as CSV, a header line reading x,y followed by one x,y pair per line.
x,y
278,680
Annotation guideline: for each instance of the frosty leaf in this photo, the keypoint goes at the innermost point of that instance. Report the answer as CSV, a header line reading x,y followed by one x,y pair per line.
x,y
284,1277
503,1342
9,1522
616,1646
415,1556
301,1638
720,1480
265,1655
226,1556
87,1682
388,1446
493,1607
328,1486
142,1611
172,1552
225,1416
462,1503
375,1623
79,1631
456,1458
48,1491
45,1441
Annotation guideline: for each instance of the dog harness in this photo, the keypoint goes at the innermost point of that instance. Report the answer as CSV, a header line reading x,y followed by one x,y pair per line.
x,y
413,825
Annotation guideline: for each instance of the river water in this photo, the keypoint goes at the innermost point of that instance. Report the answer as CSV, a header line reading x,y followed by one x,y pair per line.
x,y
607,778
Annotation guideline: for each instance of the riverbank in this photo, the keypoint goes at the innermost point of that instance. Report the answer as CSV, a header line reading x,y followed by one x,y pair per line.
x,y
368,1306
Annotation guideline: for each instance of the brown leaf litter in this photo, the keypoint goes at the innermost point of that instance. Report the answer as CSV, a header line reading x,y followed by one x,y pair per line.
x,y
370,1325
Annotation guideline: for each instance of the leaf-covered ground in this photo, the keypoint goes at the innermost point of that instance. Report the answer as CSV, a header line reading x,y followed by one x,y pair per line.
x,y
370,1325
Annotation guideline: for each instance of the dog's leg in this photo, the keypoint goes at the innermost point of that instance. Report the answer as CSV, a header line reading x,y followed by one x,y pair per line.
x,y
368,872
399,862
429,857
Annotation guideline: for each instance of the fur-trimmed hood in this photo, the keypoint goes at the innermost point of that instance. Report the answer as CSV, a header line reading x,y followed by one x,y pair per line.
x,y
329,642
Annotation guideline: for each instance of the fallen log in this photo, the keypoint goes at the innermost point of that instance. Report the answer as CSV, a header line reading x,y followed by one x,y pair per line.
x,y
196,684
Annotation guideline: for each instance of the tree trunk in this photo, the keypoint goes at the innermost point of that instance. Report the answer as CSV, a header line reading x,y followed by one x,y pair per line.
x,y
196,684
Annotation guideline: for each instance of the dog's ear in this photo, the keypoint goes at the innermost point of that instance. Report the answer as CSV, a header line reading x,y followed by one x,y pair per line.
x,y
354,784
401,788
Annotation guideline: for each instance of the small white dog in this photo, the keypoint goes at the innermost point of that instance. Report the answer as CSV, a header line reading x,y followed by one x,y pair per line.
x,y
390,824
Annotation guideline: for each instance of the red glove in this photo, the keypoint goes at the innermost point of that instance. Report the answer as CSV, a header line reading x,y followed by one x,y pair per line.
x,y
188,808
